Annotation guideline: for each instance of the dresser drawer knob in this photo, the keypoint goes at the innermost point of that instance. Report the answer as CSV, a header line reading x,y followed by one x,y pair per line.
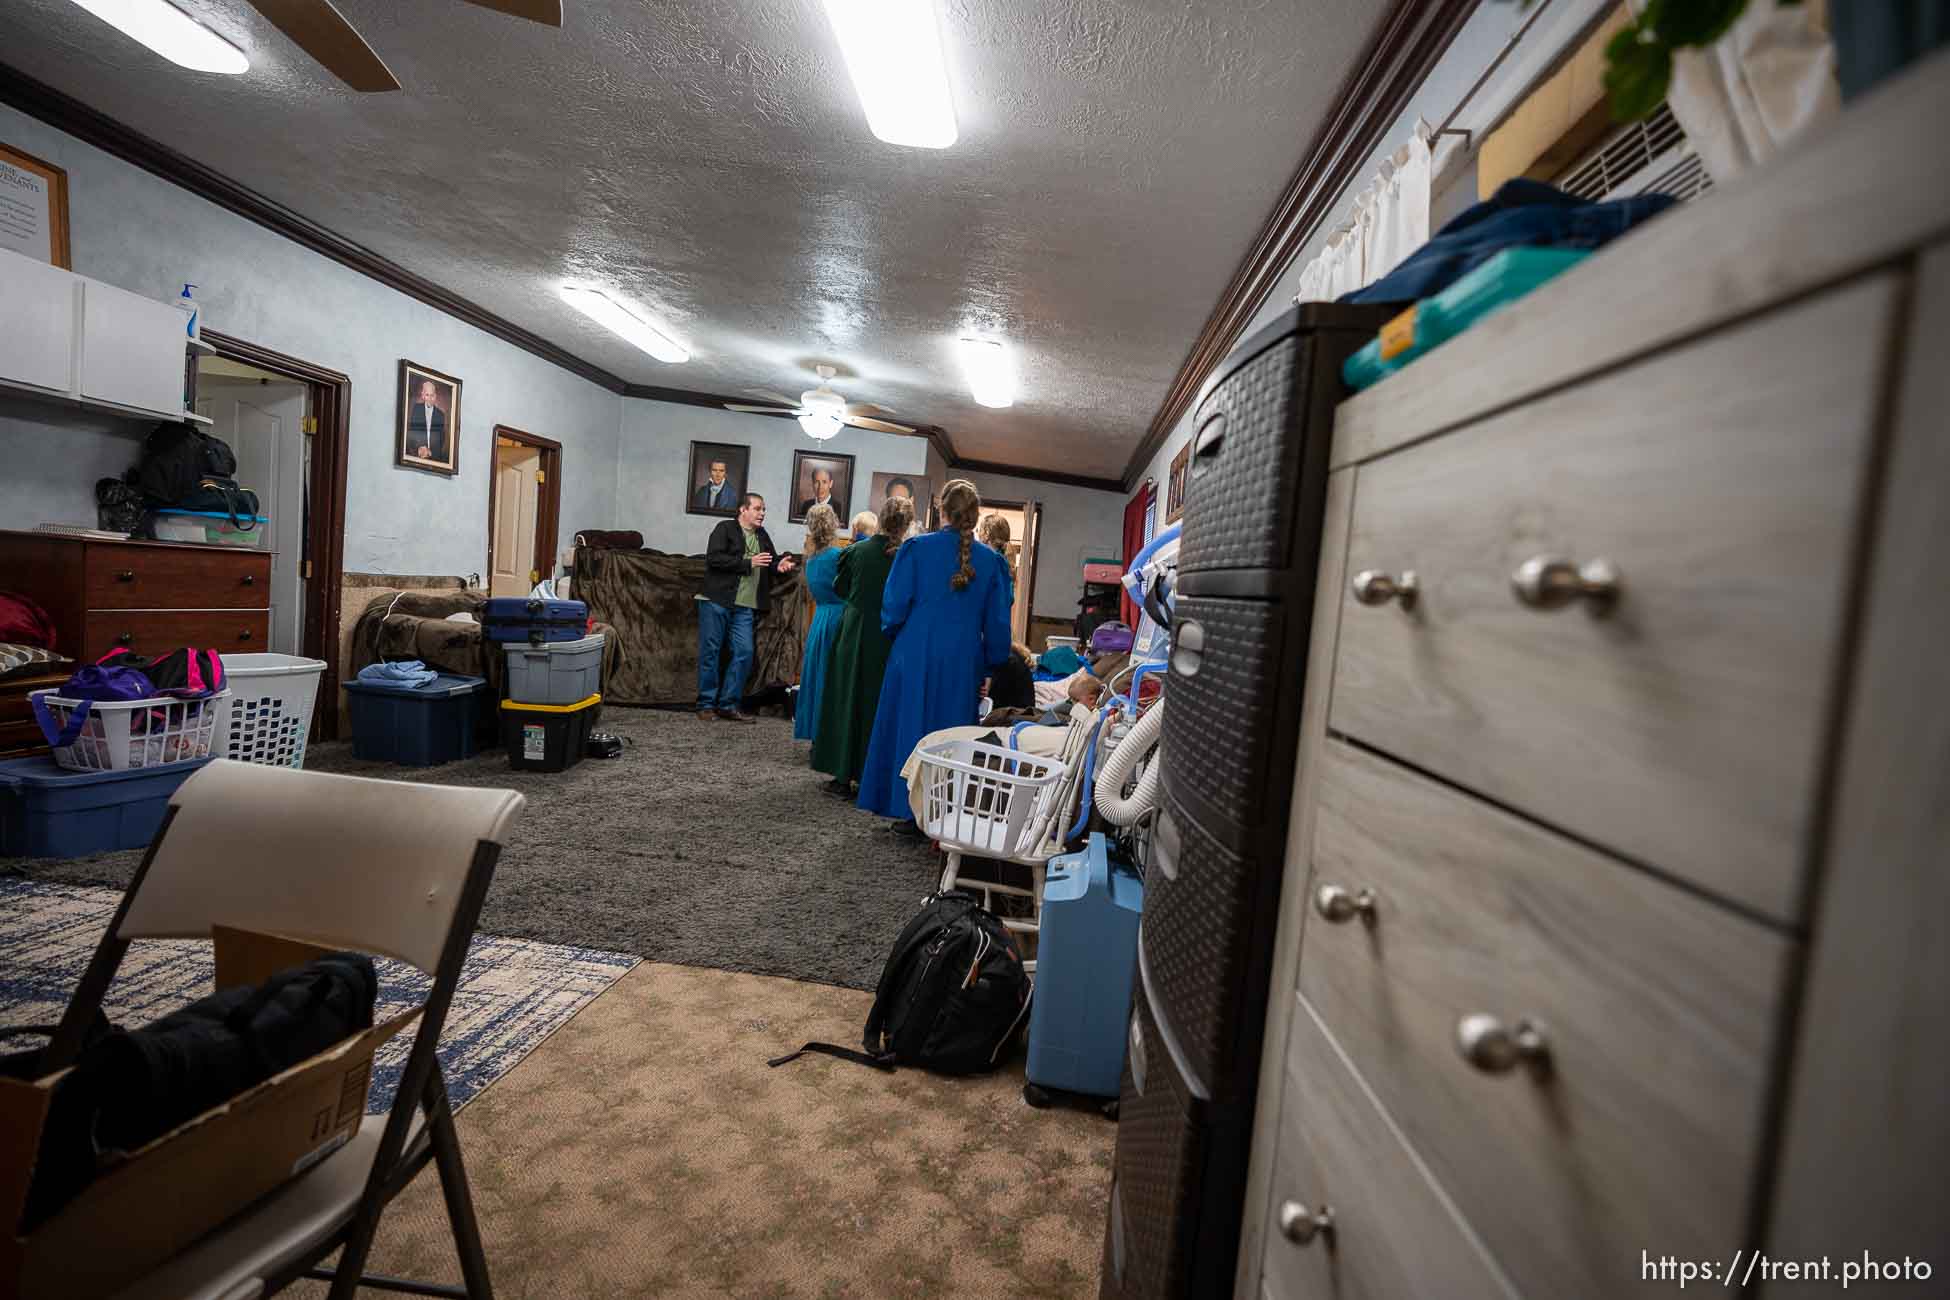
x,y
1301,1225
1494,1048
250,579
125,575
127,638
1339,906
1546,582
1371,588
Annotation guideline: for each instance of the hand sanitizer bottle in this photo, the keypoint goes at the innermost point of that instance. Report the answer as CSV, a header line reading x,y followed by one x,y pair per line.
x,y
188,303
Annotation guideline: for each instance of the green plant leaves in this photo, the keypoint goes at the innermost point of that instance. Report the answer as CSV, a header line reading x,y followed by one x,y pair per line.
x,y
1637,73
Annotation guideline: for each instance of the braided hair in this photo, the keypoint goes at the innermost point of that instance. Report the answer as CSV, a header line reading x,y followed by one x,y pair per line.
x,y
896,513
962,504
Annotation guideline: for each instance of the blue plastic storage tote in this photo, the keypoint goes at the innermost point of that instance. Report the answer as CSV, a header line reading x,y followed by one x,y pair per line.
x,y
534,620
49,812
414,726
1086,965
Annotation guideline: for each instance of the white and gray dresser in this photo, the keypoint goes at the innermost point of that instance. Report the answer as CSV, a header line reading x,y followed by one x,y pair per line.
x,y
1619,857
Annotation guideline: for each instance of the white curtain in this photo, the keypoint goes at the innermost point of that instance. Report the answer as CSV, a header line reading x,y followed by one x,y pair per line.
x,y
1389,220
1765,82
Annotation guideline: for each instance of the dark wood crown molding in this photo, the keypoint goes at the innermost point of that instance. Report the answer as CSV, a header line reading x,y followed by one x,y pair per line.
x,y
1040,475
1411,39
39,100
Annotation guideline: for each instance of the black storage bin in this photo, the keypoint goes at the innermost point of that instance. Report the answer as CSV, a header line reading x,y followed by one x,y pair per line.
x,y
1172,1231
1207,912
1256,488
547,737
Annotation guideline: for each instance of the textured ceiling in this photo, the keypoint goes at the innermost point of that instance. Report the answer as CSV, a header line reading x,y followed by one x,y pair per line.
x,y
708,159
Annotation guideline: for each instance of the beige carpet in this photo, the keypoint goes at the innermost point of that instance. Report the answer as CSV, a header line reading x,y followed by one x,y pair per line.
x,y
647,1150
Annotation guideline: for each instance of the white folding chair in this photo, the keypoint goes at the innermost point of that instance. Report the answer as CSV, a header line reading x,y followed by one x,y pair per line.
x,y
343,862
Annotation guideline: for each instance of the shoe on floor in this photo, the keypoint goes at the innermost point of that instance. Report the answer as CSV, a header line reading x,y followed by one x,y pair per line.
x,y
728,715
707,715
838,787
907,830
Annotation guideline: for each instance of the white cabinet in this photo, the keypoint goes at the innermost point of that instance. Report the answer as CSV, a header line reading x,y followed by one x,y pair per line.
x,y
65,336
38,307
131,349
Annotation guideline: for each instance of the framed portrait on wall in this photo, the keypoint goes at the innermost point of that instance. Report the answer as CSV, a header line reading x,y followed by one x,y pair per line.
x,y
717,479
33,208
821,479
918,488
1175,483
429,420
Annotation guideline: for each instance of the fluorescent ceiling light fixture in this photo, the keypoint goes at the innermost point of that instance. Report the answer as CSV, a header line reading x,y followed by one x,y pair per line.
x,y
171,33
819,425
618,319
893,53
991,375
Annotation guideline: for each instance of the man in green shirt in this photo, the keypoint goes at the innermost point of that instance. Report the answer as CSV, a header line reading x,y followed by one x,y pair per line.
x,y
738,569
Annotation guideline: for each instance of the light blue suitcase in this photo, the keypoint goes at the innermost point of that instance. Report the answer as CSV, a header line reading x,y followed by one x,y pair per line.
x,y
1086,962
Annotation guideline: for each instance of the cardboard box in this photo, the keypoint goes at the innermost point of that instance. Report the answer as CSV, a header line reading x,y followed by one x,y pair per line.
x,y
165,1195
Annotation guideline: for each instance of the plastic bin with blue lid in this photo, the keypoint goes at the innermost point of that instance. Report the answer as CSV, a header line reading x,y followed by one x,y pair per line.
x,y
1086,967
534,620
47,811
414,726
212,527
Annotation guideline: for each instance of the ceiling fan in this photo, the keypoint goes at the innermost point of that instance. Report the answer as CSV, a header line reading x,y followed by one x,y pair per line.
x,y
322,32
821,411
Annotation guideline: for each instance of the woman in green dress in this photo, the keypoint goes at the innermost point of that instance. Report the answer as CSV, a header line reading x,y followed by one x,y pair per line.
x,y
859,655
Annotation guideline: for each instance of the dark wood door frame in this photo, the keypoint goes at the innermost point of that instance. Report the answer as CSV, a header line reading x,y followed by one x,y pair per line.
x,y
548,508
1032,540
331,409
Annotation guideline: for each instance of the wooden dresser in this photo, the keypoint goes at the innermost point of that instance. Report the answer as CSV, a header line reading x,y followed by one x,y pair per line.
x,y
149,596
1611,938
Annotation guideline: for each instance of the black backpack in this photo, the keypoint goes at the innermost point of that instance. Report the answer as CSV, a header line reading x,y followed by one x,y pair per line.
x,y
176,458
952,996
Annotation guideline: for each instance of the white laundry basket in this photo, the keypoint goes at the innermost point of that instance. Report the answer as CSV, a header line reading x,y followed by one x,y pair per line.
x,y
119,735
269,717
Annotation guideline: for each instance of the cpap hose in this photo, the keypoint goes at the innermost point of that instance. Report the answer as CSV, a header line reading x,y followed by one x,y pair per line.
x,y
1139,742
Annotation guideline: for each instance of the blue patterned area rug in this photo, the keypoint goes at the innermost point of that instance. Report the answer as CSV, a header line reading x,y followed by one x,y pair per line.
x,y
513,992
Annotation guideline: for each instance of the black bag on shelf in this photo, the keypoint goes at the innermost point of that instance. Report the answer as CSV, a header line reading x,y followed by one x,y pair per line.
x,y
176,458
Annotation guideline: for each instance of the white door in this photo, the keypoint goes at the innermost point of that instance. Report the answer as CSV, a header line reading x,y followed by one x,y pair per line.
x,y
1026,570
264,424
517,501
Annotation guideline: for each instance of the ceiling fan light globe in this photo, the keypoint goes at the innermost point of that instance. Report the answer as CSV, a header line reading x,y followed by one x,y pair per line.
x,y
819,425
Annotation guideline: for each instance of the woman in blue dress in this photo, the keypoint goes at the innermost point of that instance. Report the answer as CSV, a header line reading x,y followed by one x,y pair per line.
x,y
947,608
822,560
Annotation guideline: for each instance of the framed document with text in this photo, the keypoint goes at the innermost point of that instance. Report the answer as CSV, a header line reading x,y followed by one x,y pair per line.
x,y
33,208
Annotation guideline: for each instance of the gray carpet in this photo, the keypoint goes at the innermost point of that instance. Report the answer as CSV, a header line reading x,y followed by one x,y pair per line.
x,y
706,844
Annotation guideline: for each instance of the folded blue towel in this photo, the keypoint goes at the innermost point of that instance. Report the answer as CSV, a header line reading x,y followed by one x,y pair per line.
x,y
407,672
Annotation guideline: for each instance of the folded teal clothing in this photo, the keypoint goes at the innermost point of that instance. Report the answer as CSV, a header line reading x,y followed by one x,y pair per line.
x,y
406,672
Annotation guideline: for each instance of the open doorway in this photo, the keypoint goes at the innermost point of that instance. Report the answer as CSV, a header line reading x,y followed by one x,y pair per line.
x,y
524,507
1025,524
286,420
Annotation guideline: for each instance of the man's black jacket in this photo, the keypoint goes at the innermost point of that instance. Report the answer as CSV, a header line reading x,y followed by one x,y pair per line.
x,y
725,564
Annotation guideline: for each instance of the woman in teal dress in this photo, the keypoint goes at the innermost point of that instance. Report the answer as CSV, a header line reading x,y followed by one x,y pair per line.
x,y
822,561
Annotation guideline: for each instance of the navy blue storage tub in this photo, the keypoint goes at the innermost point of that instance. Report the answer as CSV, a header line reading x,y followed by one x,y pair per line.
x,y
47,811
534,620
414,726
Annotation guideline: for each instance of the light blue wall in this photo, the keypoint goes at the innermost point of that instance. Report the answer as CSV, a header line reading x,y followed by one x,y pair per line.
x,y
146,235
653,468
1077,523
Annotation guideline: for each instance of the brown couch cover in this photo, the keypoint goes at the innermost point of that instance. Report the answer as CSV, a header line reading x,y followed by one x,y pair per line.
x,y
650,599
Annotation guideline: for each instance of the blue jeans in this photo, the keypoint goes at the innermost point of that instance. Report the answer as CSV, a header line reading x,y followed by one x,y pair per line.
x,y
713,622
